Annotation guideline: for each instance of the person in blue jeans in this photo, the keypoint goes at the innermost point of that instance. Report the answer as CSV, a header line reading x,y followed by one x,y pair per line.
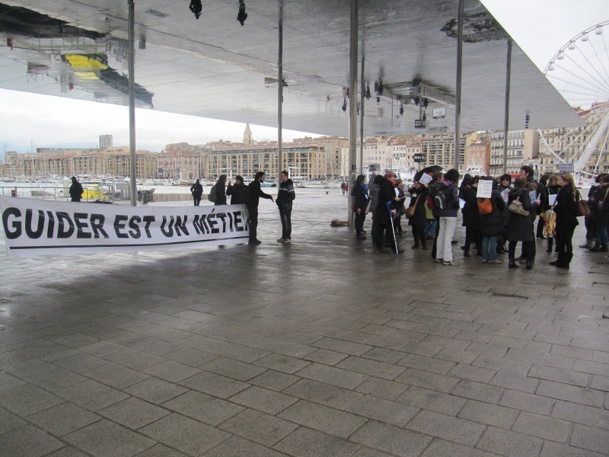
x,y
492,225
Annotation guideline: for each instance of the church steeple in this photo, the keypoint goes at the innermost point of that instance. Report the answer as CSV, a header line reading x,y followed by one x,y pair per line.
x,y
247,136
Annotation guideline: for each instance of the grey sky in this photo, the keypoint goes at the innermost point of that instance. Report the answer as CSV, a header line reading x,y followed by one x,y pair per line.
x,y
27,121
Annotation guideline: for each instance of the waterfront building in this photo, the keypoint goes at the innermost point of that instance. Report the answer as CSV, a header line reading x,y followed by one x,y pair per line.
x,y
438,149
522,149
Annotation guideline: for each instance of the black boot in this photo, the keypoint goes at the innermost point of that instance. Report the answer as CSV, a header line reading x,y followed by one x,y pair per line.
x,y
560,260
529,264
565,264
512,263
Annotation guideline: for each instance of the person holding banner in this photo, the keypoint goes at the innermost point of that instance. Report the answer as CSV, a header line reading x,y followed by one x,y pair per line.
x,y
76,190
254,192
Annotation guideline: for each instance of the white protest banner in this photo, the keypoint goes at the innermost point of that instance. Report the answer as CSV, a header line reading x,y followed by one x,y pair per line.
x,y
552,199
38,227
485,188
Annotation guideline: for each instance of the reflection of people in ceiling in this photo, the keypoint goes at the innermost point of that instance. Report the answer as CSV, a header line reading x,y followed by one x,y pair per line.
x,y
196,8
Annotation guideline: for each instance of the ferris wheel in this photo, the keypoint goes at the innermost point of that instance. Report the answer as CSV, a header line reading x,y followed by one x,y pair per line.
x,y
580,72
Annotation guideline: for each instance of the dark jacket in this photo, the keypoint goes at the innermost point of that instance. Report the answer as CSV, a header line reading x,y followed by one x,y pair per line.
x,y
360,197
286,195
76,191
566,209
595,196
418,197
386,194
467,193
553,190
220,193
255,192
452,199
196,190
492,224
236,193
520,228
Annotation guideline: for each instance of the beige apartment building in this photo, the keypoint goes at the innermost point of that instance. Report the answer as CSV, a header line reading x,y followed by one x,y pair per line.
x,y
522,149
79,162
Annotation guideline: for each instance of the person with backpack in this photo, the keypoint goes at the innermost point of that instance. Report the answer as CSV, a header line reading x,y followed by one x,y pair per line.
x,y
285,197
252,198
446,201
196,190
491,222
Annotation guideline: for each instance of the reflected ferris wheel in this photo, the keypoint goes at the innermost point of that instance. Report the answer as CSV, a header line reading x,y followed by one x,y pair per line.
x,y
580,72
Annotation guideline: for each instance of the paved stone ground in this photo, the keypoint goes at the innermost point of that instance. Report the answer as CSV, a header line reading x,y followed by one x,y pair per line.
x,y
321,348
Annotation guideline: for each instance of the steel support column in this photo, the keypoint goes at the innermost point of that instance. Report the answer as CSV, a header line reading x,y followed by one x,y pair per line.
x,y
458,85
506,121
353,103
280,96
132,101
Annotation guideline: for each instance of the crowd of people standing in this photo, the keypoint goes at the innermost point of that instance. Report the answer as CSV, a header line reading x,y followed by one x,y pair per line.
x,y
505,213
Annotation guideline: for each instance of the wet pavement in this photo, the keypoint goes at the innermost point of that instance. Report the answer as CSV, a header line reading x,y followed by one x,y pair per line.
x,y
320,348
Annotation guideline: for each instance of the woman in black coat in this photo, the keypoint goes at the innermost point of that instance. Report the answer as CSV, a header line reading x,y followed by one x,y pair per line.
x,y
492,226
471,218
566,220
220,191
418,195
520,228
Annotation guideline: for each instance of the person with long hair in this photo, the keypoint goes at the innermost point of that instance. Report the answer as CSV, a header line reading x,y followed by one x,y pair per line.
x,y
220,191
566,220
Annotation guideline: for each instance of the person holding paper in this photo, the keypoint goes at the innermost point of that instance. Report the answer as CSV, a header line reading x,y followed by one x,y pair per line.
x,y
491,225
469,211
552,188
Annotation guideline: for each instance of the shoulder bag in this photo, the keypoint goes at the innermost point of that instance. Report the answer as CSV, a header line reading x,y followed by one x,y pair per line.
x,y
581,206
412,209
517,208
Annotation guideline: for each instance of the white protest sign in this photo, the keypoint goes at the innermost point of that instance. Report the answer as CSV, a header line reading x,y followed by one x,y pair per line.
x,y
38,227
485,188
425,179
552,199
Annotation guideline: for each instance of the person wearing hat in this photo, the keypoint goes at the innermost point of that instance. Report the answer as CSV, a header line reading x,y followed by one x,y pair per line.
x,y
448,218
76,190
